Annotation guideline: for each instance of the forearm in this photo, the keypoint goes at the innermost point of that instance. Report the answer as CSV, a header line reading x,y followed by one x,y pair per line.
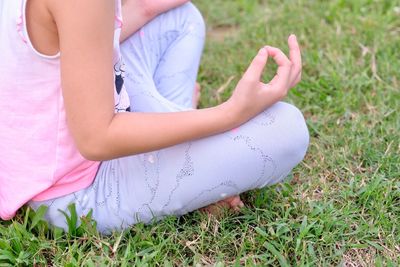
x,y
134,133
136,13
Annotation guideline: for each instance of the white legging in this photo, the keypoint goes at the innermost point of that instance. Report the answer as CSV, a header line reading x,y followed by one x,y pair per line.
x,y
162,61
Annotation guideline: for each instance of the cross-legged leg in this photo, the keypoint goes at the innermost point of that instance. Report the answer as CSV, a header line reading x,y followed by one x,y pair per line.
x,y
162,61
188,176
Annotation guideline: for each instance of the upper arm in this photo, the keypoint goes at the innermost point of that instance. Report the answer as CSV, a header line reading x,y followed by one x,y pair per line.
x,y
86,30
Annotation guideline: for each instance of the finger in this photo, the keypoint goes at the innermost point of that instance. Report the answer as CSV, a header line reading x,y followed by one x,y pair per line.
x,y
296,80
282,77
295,56
257,66
279,57
294,48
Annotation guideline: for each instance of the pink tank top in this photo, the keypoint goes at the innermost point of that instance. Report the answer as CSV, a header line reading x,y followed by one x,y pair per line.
x,y
38,157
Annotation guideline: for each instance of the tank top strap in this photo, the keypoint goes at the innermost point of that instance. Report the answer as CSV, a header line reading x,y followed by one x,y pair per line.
x,y
118,14
21,21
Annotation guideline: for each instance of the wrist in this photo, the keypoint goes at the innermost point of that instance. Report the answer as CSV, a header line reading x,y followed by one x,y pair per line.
x,y
229,116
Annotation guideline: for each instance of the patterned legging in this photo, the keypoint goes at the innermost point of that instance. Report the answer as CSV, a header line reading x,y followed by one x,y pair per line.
x,y
162,62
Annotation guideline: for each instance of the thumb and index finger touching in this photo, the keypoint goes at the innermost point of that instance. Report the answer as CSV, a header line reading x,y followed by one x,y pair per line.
x,y
257,66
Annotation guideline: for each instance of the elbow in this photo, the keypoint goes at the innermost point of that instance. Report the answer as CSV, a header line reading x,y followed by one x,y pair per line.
x,y
92,150
92,155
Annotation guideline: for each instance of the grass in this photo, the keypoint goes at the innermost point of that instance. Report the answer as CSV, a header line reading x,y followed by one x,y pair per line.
x,y
341,206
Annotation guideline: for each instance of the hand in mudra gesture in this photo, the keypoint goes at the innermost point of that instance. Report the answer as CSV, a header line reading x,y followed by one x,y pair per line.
x,y
252,95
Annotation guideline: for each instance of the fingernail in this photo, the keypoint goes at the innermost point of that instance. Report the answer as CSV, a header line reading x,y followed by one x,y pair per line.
x,y
263,51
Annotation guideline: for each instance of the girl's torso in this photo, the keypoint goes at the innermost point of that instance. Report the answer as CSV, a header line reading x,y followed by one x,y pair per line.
x,y
38,157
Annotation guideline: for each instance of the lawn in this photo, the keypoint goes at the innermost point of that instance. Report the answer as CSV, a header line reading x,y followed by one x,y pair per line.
x,y
341,206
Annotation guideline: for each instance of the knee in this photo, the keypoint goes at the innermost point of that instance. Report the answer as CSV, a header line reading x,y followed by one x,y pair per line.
x,y
193,18
293,130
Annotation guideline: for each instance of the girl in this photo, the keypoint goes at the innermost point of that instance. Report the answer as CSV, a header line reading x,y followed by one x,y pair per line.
x,y
113,130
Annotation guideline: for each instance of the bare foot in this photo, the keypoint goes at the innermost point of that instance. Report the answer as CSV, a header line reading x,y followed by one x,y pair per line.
x,y
196,96
234,203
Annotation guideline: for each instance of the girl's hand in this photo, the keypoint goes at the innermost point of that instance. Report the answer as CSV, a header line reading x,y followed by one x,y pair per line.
x,y
252,96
